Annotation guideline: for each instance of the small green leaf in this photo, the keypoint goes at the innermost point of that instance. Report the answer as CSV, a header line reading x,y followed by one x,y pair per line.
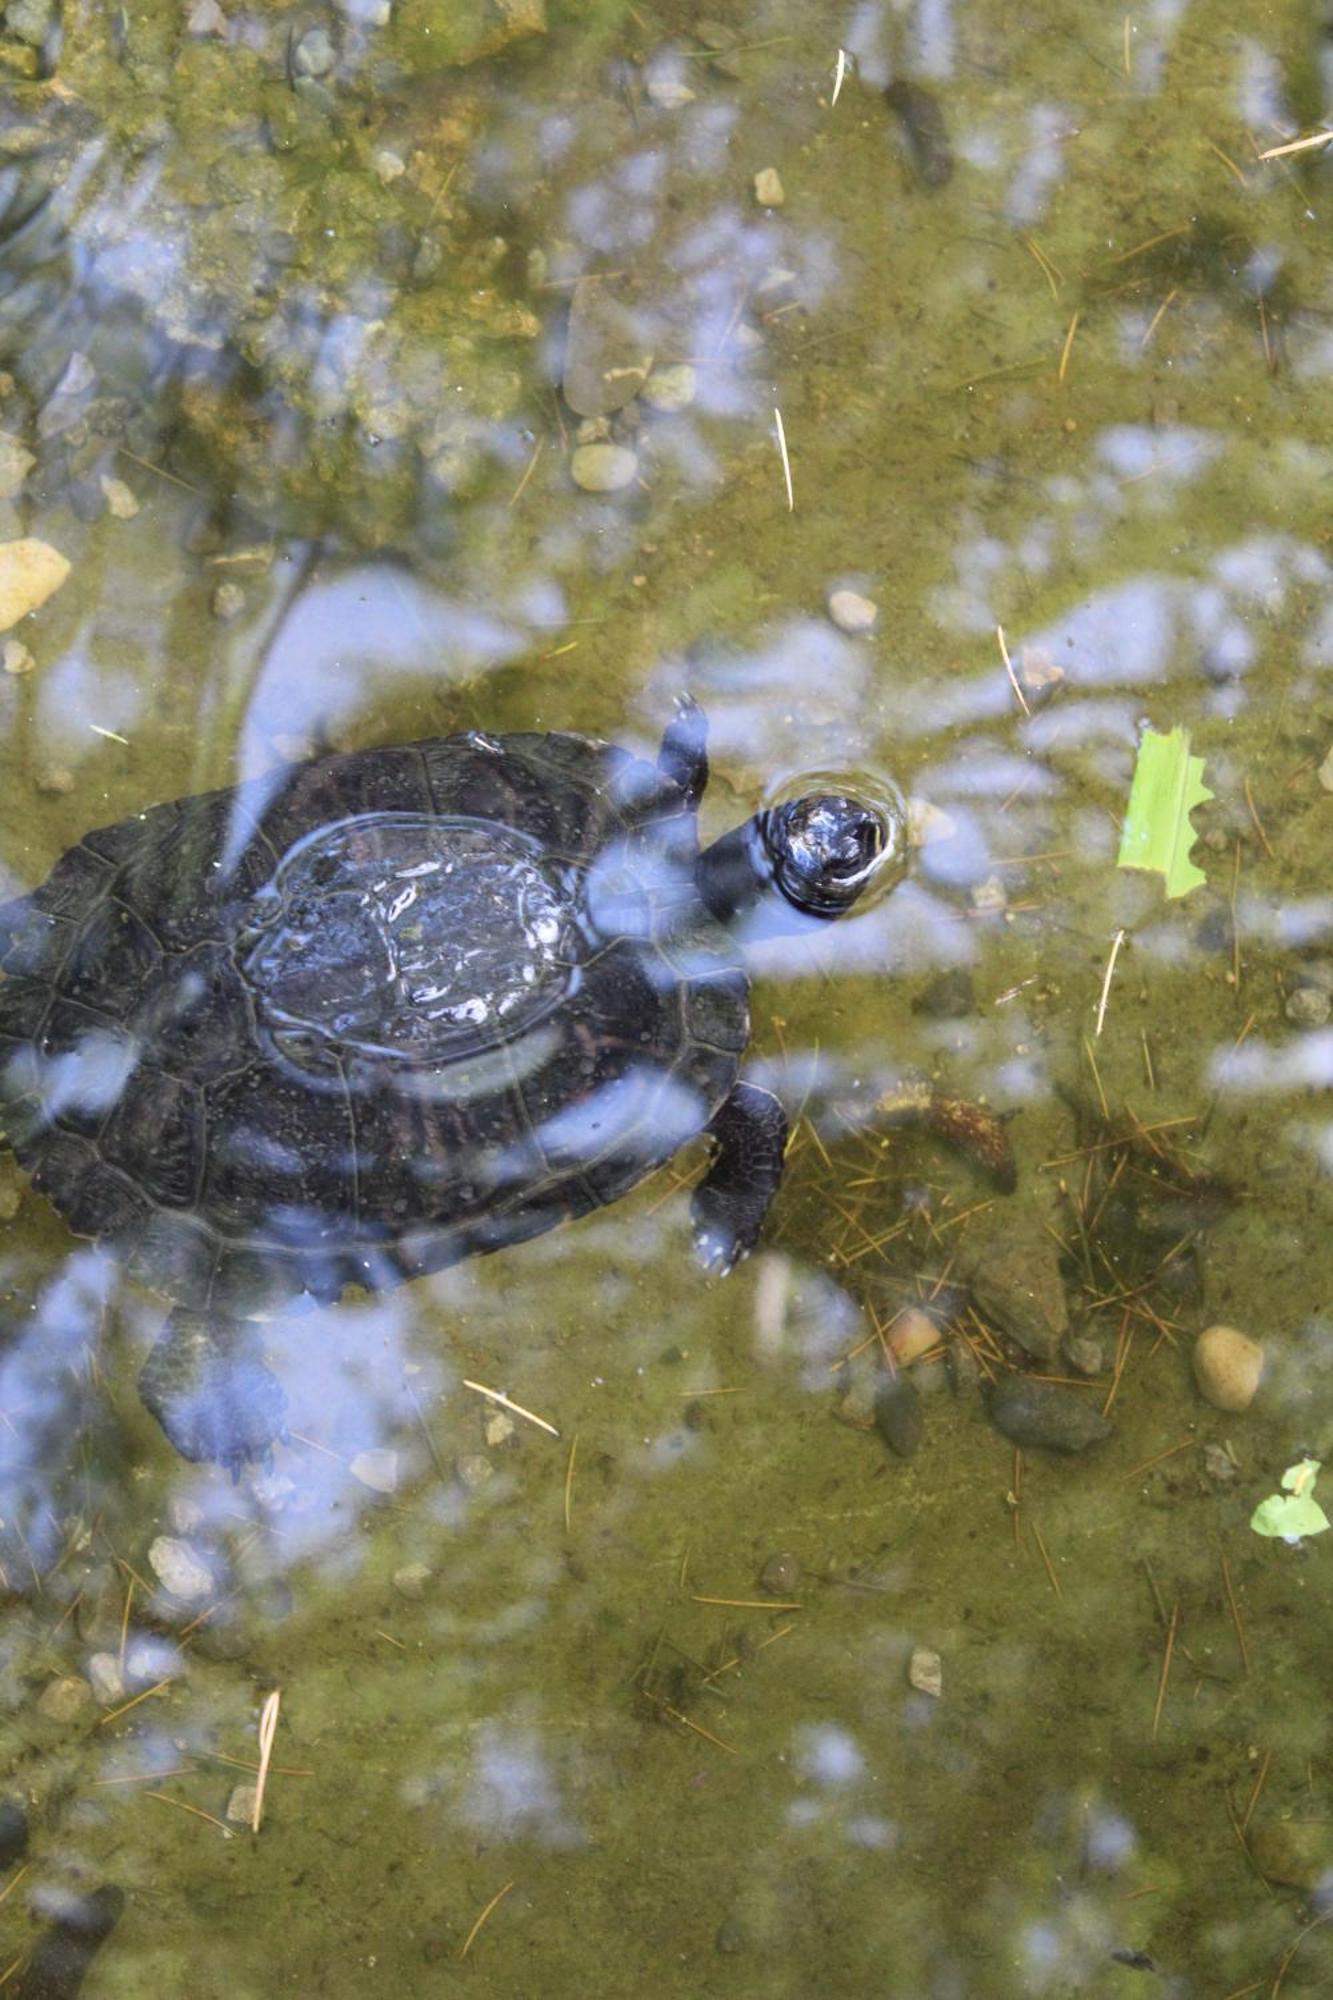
x,y
1294,1512
1168,785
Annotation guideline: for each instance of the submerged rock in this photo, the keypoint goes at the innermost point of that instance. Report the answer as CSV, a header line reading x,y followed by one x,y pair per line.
x,y
1041,1416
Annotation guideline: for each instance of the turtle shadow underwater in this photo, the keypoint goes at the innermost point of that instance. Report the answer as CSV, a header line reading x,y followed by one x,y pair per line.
x,y
352,1022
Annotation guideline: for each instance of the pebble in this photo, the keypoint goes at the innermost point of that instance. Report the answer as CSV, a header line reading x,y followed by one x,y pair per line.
x,y
925,1671
31,20
119,497
16,462
780,1575
377,1469
851,612
64,1700
1022,1292
17,658
990,898
78,375
1039,675
607,352
30,572
912,1334
228,602
411,1580
105,1676
899,1417
1295,1852
474,1469
206,18
388,165
1227,1367
1041,1416
603,468
963,1367
1219,1465
241,1805
668,93
768,188
1309,1006
497,1428
180,1569
1085,1354
1326,772
53,779
927,824
670,390
314,54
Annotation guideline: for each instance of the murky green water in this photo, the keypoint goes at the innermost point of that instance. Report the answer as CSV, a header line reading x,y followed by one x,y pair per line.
x,y
295,310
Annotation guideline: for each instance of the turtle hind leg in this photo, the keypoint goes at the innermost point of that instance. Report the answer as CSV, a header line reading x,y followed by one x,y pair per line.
x,y
749,1134
205,1383
683,756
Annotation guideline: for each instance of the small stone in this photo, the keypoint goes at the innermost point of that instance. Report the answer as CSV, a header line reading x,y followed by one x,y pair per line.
x,y
107,1684
851,612
608,353
64,1700
474,1470
31,20
925,1671
1220,1465
497,1428
1309,1006
30,572
768,188
388,165
899,1417
377,1469
964,1369
1227,1367
120,498
1325,773
927,824
241,1805
989,898
668,93
411,1580
228,602
1298,1853
206,19
780,1575
185,1514
912,1334
1021,1291
314,54
593,430
1085,1354
180,1569
1039,675
16,462
670,390
1041,1416
950,996
17,658
603,468
78,374
55,779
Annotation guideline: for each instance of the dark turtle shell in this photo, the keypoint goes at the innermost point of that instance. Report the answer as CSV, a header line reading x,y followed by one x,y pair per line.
x,y
366,1017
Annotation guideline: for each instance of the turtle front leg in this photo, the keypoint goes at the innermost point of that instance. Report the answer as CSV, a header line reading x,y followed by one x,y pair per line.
x,y
205,1383
683,756
749,1134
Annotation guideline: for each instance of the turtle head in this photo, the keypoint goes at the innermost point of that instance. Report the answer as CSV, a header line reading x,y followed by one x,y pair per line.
x,y
810,857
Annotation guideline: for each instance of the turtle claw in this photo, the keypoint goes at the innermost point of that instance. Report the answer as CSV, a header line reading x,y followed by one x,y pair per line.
x,y
717,1254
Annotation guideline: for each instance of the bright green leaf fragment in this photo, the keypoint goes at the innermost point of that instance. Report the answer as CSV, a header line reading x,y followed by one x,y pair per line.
x,y
1168,784
1295,1511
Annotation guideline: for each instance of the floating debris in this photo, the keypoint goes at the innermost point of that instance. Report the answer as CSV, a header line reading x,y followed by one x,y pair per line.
x,y
1168,785
1294,1512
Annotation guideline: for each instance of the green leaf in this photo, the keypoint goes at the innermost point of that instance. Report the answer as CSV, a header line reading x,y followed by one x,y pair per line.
x,y
1168,785
1294,1512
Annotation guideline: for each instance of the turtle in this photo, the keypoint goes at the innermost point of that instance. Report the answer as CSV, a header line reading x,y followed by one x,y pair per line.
x,y
350,1022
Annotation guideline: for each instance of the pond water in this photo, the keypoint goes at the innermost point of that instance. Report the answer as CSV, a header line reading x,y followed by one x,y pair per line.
x,y
939,394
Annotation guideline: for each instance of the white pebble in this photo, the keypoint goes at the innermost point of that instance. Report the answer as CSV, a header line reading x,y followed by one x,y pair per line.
x,y
16,462
228,602
925,1671
671,389
377,1469
119,498
411,1580
851,612
17,658
30,572
180,1569
768,188
668,93
603,468
389,166
107,1684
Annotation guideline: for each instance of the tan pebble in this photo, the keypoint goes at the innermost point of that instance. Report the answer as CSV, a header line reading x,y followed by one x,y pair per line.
x,y
603,468
411,1580
781,1575
30,572
228,602
377,1469
1227,1367
912,1334
670,390
64,1700
1039,675
120,498
668,93
768,188
16,462
107,1682
241,1805
497,1428
54,778
851,612
925,1671
17,658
